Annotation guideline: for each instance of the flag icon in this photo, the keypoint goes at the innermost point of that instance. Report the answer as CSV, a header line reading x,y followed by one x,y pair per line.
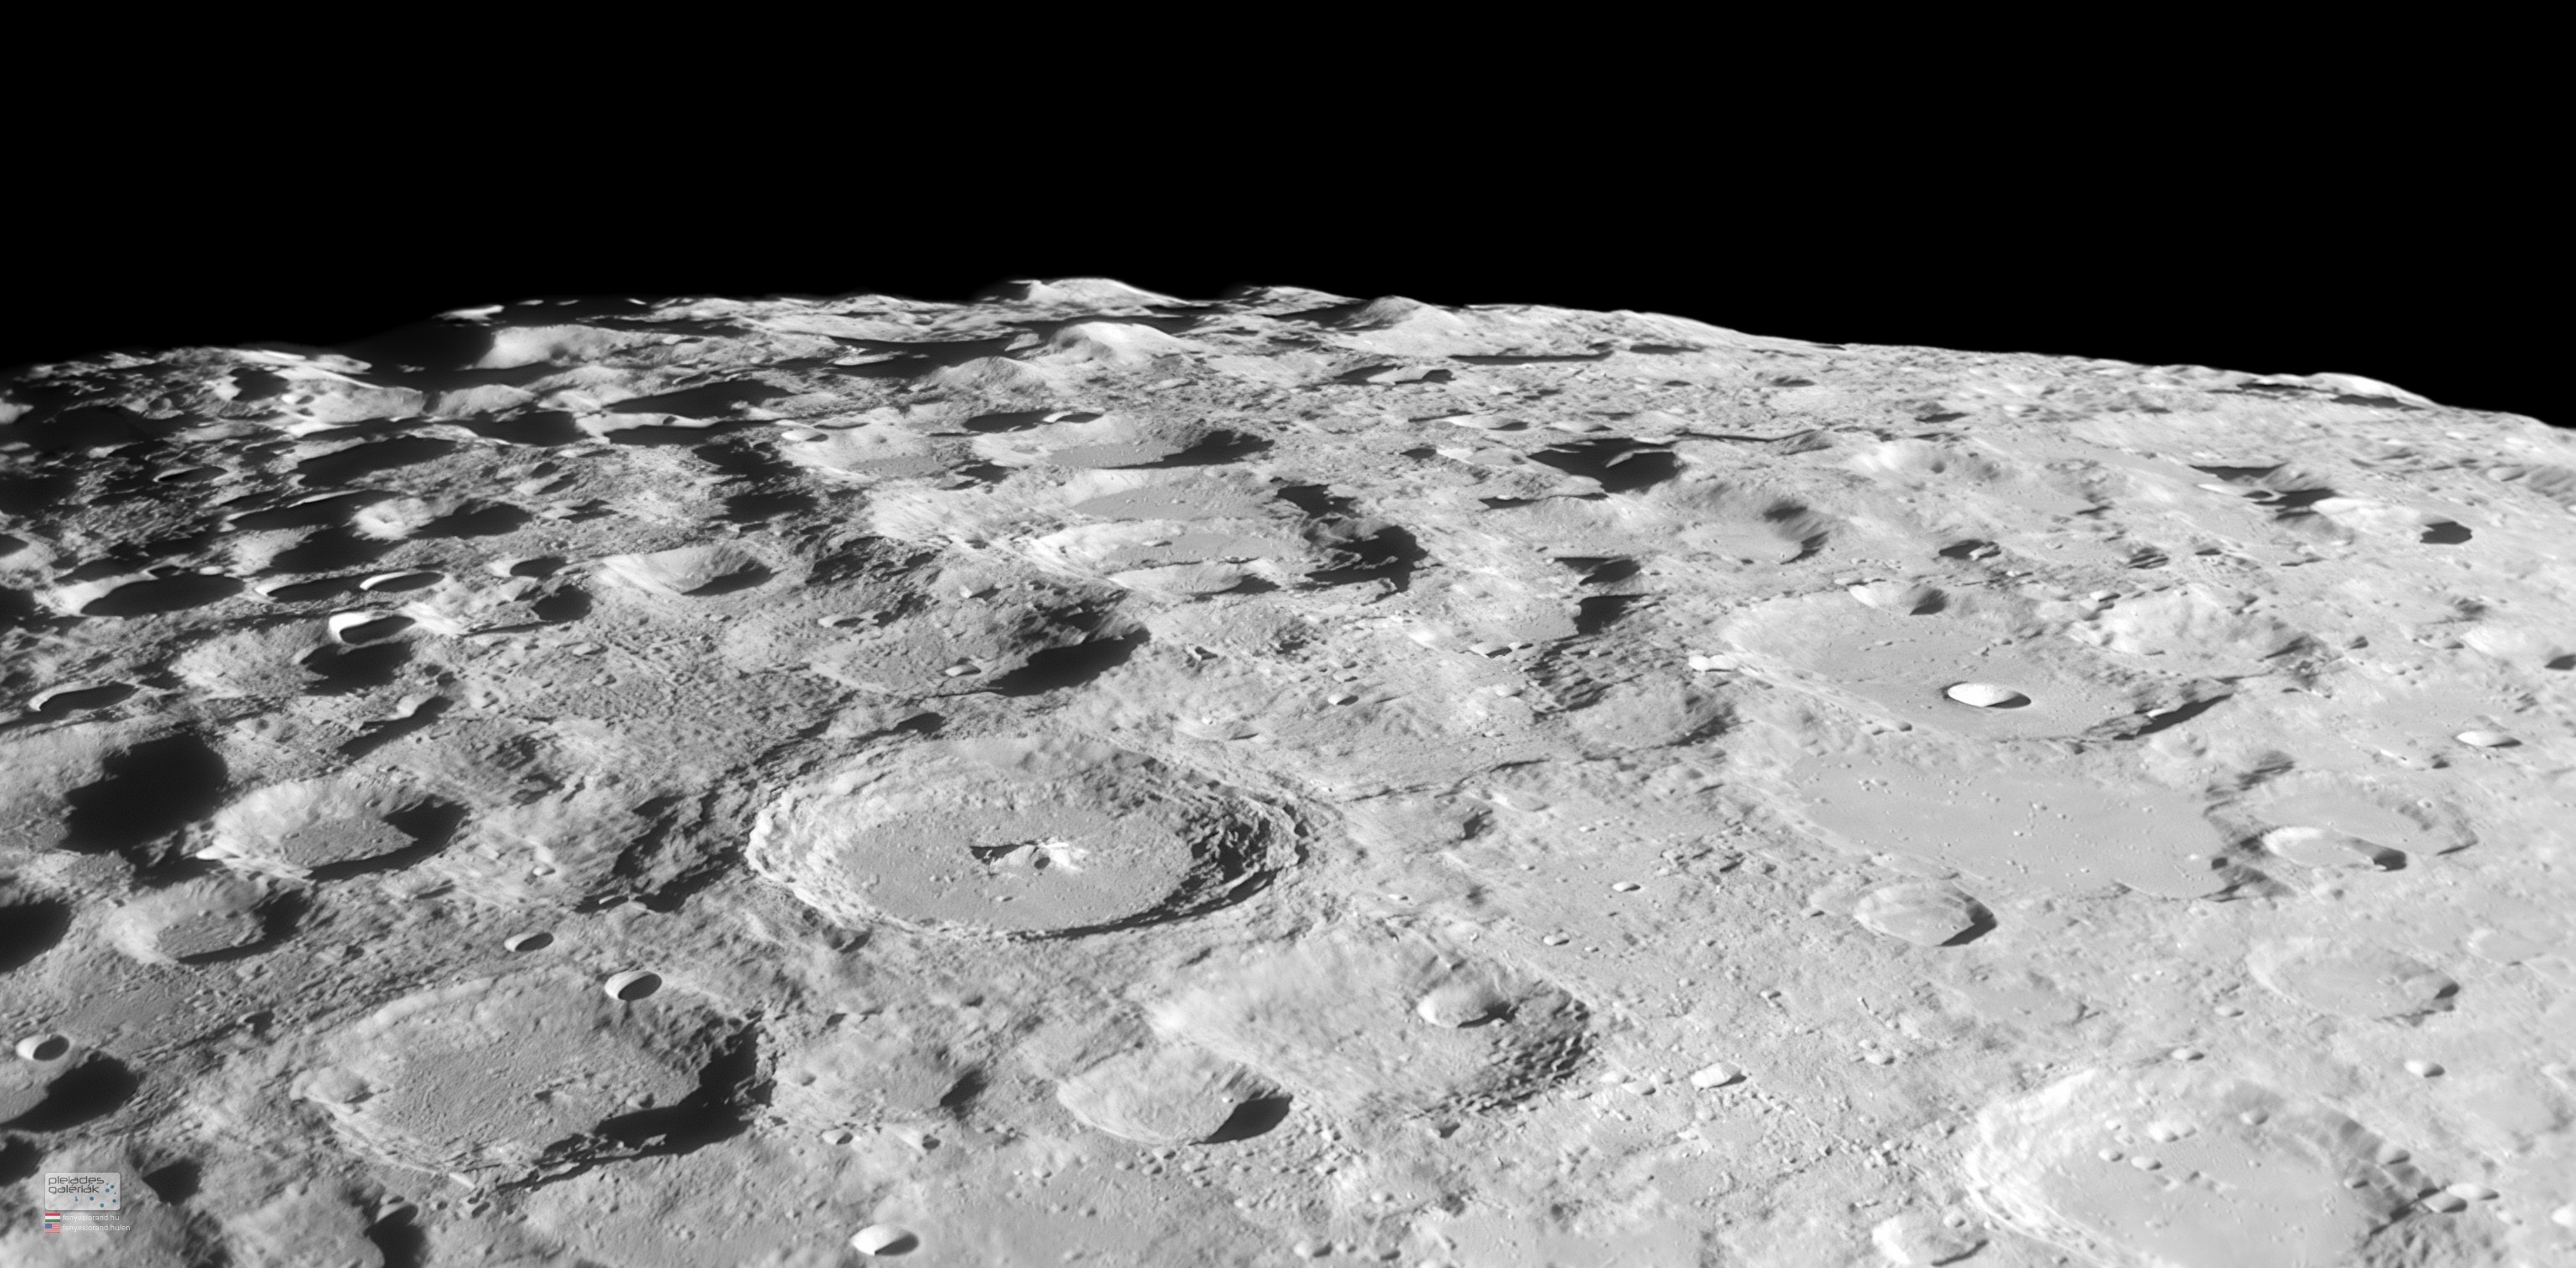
x,y
53,1221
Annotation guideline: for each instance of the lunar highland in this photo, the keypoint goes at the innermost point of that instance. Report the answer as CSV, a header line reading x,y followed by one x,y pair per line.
x,y
1086,776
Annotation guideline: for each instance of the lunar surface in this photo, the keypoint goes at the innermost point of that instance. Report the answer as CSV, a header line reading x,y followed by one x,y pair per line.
x,y
1092,777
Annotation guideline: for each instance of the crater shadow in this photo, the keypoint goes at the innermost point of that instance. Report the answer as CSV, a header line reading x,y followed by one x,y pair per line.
x,y
100,1087
28,930
348,670
163,596
1064,668
149,791
331,550
1599,612
431,826
64,704
541,428
1256,1117
1616,464
712,1113
570,603
175,1182
365,460
1390,554
491,520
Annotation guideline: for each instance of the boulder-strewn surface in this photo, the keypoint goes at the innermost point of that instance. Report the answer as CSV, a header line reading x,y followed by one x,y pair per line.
x,y
1089,775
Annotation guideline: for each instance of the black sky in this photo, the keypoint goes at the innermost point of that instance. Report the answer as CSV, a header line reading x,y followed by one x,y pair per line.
x,y
2326,239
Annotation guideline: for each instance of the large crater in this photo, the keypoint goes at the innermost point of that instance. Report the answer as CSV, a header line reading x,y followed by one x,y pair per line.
x,y
1017,837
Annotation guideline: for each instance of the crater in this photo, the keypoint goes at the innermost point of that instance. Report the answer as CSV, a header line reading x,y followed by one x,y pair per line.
x,y
1022,837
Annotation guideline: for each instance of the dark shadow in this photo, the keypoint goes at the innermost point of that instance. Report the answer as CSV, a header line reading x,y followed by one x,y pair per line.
x,y
1392,375
403,1243
1329,315
1532,359
150,791
175,1182
661,435
540,566
1390,554
568,604
2237,473
252,385
380,733
67,703
1617,465
910,359
1064,668
17,607
313,514
19,1160
490,520
675,893
1970,549
984,472
434,345
377,630
1016,420
751,577
705,400
28,930
963,1092
346,670
1601,611
2148,557
98,1088
2562,663
361,461
714,1112
2186,713
85,427
1218,447
753,508
420,580
1508,504
1255,1117
2445,533
331,550
1601,570
1984,924
1314,499
29,494
774,490
313,591
540,428
430,825
165,595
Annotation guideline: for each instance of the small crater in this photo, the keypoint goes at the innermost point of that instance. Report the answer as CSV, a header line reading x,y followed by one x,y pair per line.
x,y
398,582
1925,913
70,700
1986,695
631,985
